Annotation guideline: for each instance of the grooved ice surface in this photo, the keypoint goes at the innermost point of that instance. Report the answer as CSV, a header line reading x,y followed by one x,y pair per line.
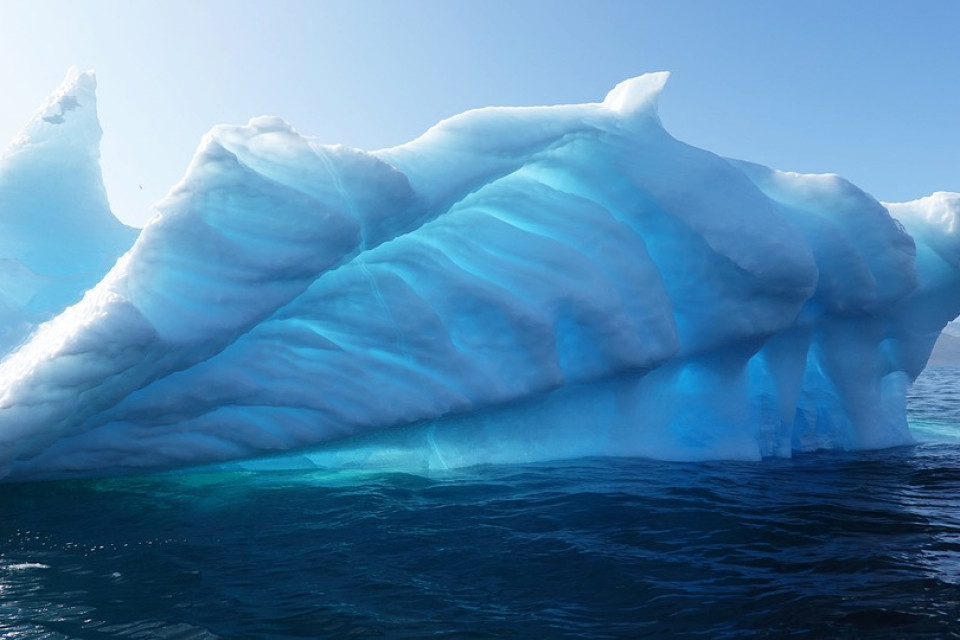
x,y
516,284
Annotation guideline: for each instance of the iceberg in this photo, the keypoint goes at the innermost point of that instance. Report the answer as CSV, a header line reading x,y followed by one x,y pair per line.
x,y
517,284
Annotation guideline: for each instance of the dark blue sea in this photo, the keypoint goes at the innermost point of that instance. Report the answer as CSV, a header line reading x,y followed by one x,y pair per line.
x,y
863,545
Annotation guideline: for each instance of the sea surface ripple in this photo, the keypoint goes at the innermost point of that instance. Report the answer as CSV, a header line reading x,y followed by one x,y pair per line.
x,y
827,545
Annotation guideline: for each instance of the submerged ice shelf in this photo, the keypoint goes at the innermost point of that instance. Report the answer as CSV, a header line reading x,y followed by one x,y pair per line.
x,y
516,284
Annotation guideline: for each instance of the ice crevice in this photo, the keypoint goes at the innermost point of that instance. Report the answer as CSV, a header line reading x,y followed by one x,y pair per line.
x,y
516,284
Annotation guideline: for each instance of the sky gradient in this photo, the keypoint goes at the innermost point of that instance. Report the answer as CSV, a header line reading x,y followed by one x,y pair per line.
x,y
869,90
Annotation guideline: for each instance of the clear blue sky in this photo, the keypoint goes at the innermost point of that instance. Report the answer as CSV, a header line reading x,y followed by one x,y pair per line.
x,y
868,89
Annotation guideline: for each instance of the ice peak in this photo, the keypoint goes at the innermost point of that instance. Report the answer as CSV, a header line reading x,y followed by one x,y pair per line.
x,y
68,115
637,96
55,218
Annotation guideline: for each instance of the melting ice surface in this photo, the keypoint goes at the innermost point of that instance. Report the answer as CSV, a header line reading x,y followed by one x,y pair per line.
x,y
516,284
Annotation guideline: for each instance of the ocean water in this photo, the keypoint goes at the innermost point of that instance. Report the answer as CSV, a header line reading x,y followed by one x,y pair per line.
x,y
863,545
